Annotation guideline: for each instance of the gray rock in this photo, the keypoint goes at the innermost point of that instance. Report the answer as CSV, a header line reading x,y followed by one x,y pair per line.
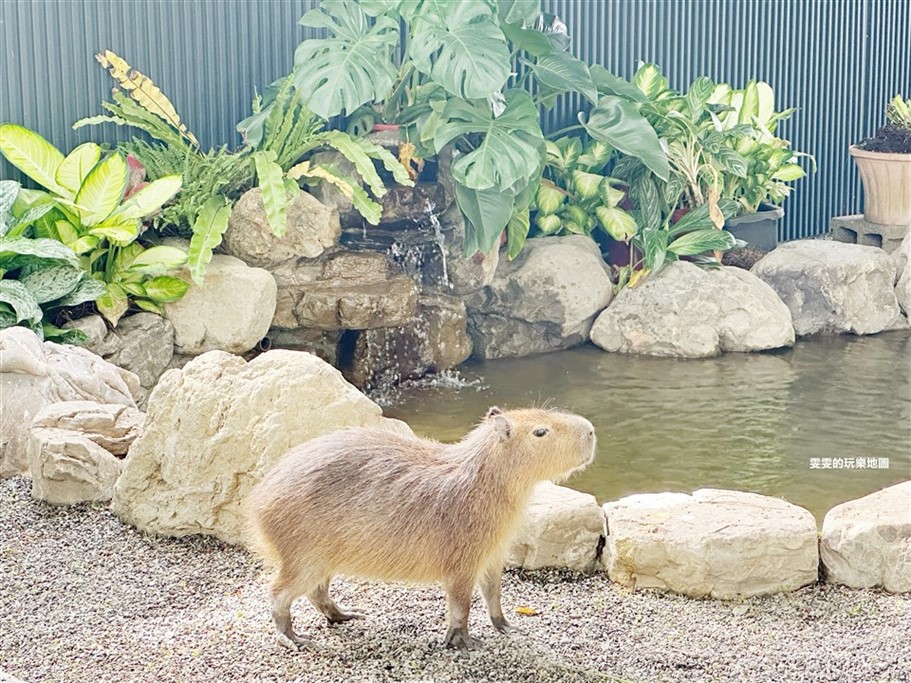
x,y
346,290
311,228
215,427
466,273
856,230
321,343
72,447
546,299
435,340
901,256
715,543
231,311
688,312
561,528
832,288
35,374
142,343
867,542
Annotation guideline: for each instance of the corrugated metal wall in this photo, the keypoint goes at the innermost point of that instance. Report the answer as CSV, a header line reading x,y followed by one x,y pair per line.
x,y
838,61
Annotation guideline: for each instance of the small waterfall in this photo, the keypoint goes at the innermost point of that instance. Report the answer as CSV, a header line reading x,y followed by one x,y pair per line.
x,y
438,235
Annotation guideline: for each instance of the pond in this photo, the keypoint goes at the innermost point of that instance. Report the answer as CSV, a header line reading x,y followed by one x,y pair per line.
x,y
802,424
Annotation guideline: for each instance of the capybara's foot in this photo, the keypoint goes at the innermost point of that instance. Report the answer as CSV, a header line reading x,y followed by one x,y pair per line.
x,y
340,617
459,639
502,625
294,642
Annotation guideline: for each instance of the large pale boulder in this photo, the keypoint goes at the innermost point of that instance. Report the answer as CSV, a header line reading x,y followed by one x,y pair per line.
x,y
231,311
142,343
545,299
75,450
690,312
832,287
867,542
214,428
714,543
34,374
561,528
311,227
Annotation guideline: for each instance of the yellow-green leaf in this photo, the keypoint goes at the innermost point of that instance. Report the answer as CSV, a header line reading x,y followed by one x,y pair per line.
x,y
208,229
789,172
73,170
616,222
150,198
120,234
158,260
113,303
32,154
102,190
144,91
269,178
164,289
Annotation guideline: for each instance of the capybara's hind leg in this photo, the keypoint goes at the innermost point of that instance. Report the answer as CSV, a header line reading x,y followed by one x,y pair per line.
x,y
326,605
490,589
285,590
459,598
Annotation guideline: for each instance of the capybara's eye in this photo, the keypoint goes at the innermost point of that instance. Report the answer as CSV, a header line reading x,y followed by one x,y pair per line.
x,y
540,431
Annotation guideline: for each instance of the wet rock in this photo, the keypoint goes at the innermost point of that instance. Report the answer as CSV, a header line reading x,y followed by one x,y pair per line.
x,y
689,312
867,542
466,273
435,340
231,311
311,228
321,343
215,427
347,290
544,300
34,374
715,543
142,343
834,288
561,528
75,450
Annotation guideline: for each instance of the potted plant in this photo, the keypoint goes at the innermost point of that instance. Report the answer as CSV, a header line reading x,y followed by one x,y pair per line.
x,y
884,162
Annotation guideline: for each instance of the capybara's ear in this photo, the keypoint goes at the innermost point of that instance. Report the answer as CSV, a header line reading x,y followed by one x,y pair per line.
x,y
501,425
494,410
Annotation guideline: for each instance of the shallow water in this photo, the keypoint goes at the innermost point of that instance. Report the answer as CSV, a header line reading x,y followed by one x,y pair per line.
x,y
750,422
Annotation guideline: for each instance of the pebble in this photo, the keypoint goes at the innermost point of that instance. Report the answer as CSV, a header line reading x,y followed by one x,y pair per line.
x,y
86,599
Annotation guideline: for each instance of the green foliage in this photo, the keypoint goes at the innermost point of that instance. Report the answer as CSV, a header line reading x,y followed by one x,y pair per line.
x,y
92,212
38,277
720,142
898,113
447,86
279,133
576,196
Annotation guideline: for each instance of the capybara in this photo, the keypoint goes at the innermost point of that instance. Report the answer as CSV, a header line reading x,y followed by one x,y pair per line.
x,y
372,504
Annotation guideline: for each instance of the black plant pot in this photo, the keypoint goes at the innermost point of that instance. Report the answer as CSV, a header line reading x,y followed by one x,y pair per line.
x,y
759,230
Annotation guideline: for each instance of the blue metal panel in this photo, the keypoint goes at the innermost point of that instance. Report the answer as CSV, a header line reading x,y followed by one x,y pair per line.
x,y
837,61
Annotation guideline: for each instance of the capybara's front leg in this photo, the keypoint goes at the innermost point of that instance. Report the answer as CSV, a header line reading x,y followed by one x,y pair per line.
x,y
459,599
490,589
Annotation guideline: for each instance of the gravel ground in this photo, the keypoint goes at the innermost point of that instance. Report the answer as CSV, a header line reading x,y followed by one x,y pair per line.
x,y
84,598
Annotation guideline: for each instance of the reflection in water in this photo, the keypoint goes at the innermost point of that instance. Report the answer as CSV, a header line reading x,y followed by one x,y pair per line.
x,y
744,421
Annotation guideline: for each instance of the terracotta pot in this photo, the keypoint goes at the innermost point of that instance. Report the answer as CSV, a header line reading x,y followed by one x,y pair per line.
x,y
887,186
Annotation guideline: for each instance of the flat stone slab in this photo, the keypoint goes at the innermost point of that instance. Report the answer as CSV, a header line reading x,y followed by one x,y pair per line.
x,y
561,528
834,288
867,542
713,543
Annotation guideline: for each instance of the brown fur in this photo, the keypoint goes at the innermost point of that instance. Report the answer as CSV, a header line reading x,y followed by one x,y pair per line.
x,y
368,503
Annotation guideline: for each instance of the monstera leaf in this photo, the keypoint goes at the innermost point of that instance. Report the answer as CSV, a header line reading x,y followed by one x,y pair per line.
x,y
460,46
512,146
352,67
617,122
